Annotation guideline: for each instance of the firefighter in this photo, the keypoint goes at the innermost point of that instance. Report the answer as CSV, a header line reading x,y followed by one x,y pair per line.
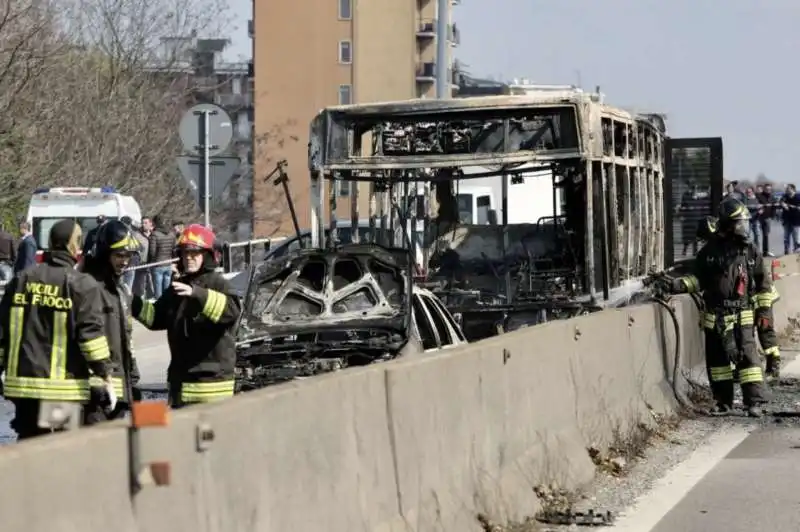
x,y
53,339
730,271
707,228
764,315
112,251
198,312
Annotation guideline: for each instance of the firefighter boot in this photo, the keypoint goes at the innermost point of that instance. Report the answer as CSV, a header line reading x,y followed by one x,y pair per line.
x,y
773,369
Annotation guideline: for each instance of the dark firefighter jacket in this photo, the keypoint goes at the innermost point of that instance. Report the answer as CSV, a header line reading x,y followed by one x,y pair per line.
x,y
52,332
116,305
721,269
199,333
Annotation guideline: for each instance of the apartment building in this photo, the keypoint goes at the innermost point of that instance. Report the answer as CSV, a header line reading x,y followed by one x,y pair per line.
x,y
310,55
229,84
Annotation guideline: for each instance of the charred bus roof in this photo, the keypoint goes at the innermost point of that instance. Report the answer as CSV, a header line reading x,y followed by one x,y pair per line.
x,y
539,127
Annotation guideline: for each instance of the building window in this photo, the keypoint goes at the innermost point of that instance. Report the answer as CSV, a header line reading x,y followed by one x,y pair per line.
x,y
236,85
344,189
345,9
345,52
345,95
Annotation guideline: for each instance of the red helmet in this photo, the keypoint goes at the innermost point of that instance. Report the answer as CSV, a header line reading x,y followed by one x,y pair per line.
x,y
198,237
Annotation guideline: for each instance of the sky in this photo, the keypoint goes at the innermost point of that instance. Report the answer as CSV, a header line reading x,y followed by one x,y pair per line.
x,y
724,68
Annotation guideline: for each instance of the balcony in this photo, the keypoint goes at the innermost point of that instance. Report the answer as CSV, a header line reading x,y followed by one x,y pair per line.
x,y
234,101
426,31
426,73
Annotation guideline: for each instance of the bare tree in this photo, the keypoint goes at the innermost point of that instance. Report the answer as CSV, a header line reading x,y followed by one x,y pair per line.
x,y
269,213
92,99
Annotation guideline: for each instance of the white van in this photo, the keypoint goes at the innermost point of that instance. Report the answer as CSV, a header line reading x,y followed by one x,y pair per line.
x,y
82,204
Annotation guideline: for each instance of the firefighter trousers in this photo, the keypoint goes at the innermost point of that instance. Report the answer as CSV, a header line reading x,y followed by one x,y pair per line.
x,y
734,345
767,337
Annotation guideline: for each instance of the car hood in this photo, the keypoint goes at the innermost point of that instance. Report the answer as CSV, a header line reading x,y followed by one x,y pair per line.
x,y
354,293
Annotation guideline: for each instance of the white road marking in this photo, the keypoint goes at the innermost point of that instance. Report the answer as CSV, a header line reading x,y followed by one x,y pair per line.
x,y
668,491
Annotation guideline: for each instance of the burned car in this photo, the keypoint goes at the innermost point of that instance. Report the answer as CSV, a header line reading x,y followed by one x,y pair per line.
x,y
319,310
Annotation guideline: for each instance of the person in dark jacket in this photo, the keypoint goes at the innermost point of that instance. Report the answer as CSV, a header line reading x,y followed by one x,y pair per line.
x,y
8,255
767,198
690,208
26,250
756,210
730,272
113,249
790,203
53,339
160,249
92,234
198,312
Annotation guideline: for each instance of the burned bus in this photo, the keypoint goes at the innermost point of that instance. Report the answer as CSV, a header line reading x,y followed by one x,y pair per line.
x,y
612,202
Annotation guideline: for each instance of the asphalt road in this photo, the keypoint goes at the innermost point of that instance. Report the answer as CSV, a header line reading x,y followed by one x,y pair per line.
x,y
742,481
754,487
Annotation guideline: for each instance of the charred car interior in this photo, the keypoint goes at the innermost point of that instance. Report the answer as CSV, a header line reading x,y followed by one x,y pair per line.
x,y
318,310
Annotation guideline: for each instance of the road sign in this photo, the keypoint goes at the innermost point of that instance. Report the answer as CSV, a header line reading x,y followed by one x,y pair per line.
x,y
220,129
221,170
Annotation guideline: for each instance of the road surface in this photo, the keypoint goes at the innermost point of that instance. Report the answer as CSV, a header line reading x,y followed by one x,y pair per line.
x,y
742,479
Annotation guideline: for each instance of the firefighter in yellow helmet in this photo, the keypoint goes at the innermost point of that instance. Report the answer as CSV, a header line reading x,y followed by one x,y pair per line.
x,y
730,272
198,312
763,306
111,252
53,339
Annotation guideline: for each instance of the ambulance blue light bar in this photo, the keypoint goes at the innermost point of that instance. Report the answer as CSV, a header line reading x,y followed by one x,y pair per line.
x,y
103,190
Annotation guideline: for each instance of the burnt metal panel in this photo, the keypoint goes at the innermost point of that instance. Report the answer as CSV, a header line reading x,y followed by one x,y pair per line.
x,y
692,190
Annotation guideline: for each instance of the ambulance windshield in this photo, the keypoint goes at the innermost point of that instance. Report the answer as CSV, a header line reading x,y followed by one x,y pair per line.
x,y
42,226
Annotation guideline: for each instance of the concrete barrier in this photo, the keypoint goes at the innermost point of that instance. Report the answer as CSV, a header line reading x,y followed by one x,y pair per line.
x,y
421,444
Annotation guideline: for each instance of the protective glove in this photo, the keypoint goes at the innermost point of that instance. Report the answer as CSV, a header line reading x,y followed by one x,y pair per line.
x,y
664,285
108,387
763,322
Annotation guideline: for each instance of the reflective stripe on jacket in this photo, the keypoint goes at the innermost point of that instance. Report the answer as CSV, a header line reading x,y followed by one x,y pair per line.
x,y
53,334
200,335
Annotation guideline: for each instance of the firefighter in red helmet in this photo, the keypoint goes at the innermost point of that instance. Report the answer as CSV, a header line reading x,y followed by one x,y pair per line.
x,y
198,312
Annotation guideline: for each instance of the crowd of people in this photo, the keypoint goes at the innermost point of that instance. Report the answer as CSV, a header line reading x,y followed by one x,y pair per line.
x,y
766,206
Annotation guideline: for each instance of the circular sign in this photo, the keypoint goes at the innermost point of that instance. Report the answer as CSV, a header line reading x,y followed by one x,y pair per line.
x,y
220,129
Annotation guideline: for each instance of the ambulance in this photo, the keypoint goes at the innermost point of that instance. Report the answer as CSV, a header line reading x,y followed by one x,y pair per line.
x,y
82,204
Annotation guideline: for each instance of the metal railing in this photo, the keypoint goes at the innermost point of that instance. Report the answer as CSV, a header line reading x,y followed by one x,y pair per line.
x,y
237,256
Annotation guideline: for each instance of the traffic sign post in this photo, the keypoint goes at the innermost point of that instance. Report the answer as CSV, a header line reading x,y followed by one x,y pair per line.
x,y
206,131
206,164
220,171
